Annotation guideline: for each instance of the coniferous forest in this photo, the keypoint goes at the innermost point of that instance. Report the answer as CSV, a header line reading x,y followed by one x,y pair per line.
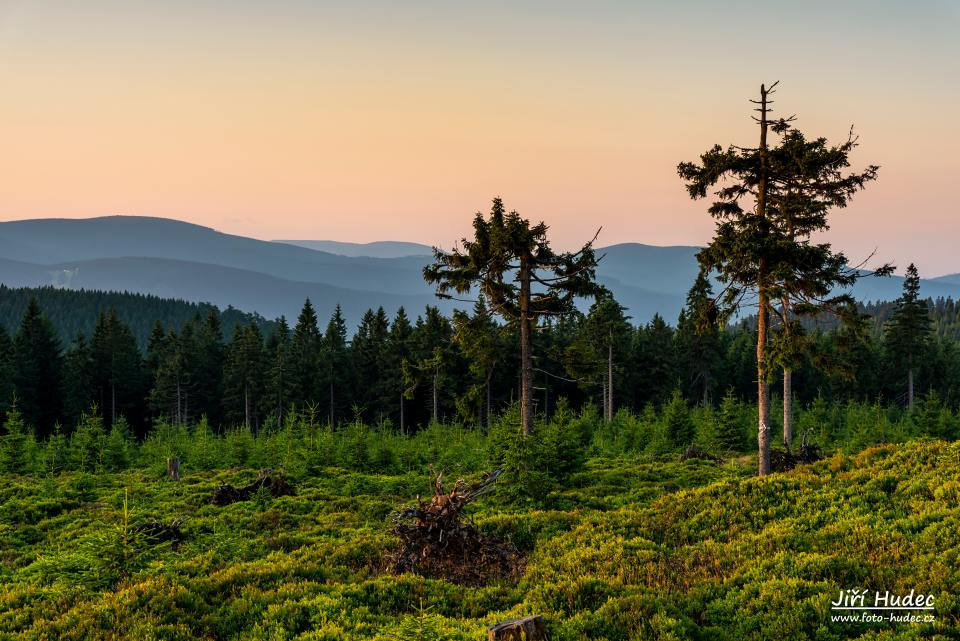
x,y
233,369
534,461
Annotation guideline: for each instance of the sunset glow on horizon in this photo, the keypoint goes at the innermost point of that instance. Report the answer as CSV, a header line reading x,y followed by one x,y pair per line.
x,y
376,121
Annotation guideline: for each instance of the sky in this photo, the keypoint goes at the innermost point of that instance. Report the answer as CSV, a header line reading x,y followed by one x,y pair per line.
x,y
362,121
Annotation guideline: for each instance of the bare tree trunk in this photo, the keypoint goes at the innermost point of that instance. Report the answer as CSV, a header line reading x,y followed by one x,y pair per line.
x,y
610,380
489,376
280,393
402,423
787,380
763,389
177,414
113,402
788,408
604,398
331,401
526,358
246,406
173,469
546,397
910,388
433,412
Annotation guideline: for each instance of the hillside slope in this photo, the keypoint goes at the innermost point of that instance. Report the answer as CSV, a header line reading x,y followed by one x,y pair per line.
x,y
628,556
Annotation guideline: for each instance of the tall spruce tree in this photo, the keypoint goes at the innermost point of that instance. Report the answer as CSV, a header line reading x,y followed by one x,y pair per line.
x,y
808,179
729,431
909,329
608,328
169,394
335,366
745,249
763,251
431,358
78,389
369,350
654,362
281,386
698,342
37,377
305,347
243,376
398,353
209,364
512,264
7,370
117,367
482,342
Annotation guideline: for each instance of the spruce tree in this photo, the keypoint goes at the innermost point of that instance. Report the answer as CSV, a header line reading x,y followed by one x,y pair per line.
x,y
761,250
729,430
512,264
368,351
78,390
13,443
909,329
431,357
677,423
481,340
243,376
305,348
808,179
281,386
209,368
169,394
117,367
698,342
7,370
398,353
608,328
37,375
654,362
335,366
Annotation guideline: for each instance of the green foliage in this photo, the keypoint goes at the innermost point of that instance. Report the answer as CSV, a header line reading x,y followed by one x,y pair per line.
x,y
677,424
88,443
536,467
730,428
637,546
14,444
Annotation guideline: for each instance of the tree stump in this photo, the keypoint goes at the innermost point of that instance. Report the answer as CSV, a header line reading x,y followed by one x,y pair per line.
x,y
531,628
173,469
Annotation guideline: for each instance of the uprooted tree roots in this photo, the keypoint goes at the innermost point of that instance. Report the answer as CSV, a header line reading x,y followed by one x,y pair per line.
x,y
436,543
274,483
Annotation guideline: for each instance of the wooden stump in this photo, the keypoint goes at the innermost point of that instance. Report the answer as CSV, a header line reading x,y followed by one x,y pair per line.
x,y
173,469
525,629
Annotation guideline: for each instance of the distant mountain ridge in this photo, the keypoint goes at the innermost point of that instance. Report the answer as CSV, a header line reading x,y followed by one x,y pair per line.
x,y
377,249
170,258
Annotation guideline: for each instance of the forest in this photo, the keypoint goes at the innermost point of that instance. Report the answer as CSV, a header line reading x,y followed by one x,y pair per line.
x,y
405,373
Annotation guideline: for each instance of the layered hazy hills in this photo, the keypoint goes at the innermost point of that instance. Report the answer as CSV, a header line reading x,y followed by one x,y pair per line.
x,y
379,249
175,259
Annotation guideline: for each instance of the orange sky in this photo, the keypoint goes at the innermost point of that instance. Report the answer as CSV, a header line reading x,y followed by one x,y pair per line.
x,y
309,120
